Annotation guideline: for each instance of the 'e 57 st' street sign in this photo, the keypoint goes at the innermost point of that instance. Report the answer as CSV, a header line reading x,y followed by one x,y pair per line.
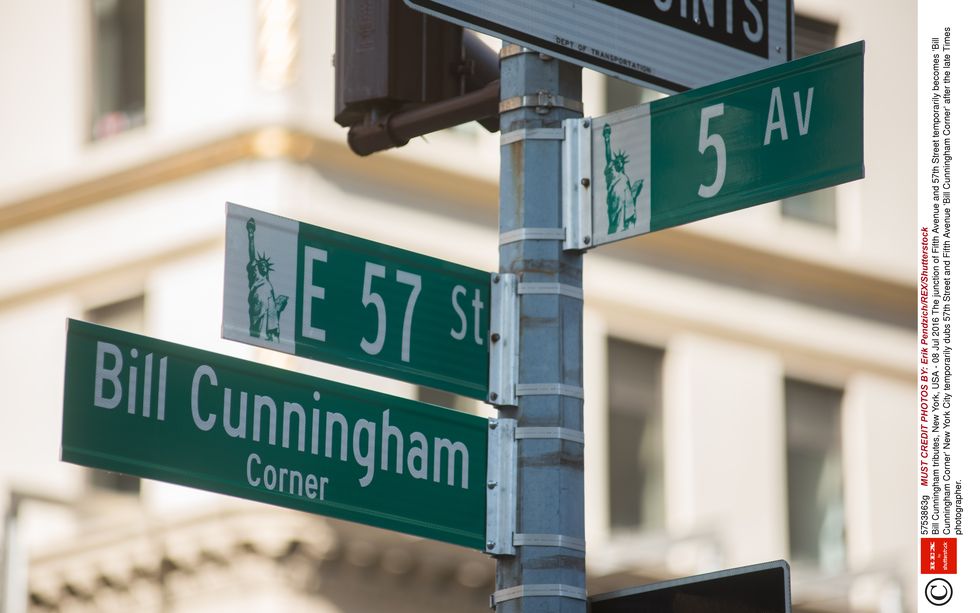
x,y
163,411
778,132
336,298
671,45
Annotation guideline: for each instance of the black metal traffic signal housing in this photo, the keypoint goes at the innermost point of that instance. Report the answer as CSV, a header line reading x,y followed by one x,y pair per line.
x,y
400,73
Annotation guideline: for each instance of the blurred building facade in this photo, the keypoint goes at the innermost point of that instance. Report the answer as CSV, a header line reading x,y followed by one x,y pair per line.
x,y
747,378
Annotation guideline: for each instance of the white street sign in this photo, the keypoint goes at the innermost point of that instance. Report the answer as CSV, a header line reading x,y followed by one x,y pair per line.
x,y
669,45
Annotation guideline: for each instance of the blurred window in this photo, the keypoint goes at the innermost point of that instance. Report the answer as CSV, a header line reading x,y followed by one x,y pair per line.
x,y
815,482
446,399
636,471
813,36
128,315
818,208
621,94
118,66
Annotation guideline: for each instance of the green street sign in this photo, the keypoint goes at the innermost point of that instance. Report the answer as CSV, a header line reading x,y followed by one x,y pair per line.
x,y
164,411
336,298
778,132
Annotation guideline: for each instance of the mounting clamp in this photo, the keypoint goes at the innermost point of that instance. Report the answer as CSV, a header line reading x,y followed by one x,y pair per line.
x,y
577,184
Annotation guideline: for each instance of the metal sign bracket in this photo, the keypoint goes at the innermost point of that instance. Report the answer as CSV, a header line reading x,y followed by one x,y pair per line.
x,y
501,486
504,340
577,184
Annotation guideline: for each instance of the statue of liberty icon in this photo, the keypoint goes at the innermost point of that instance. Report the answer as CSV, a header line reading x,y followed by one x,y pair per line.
x,y
621,192
264,305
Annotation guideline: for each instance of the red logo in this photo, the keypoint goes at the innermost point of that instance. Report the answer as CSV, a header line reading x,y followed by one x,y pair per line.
x,y
937,556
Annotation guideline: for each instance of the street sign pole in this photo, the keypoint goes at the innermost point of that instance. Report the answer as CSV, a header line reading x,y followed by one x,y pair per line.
x,y
547,573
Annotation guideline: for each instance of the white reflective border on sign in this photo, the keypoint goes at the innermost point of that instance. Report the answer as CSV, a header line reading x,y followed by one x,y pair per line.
x,y
251,292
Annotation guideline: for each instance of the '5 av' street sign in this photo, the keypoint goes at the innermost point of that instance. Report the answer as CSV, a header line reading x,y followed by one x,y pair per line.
x,y
778,132
336,298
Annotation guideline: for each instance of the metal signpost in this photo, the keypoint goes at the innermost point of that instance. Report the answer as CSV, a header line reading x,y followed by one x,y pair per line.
x,y
333,297
164,411
771,134
547,570
671,46
761,588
